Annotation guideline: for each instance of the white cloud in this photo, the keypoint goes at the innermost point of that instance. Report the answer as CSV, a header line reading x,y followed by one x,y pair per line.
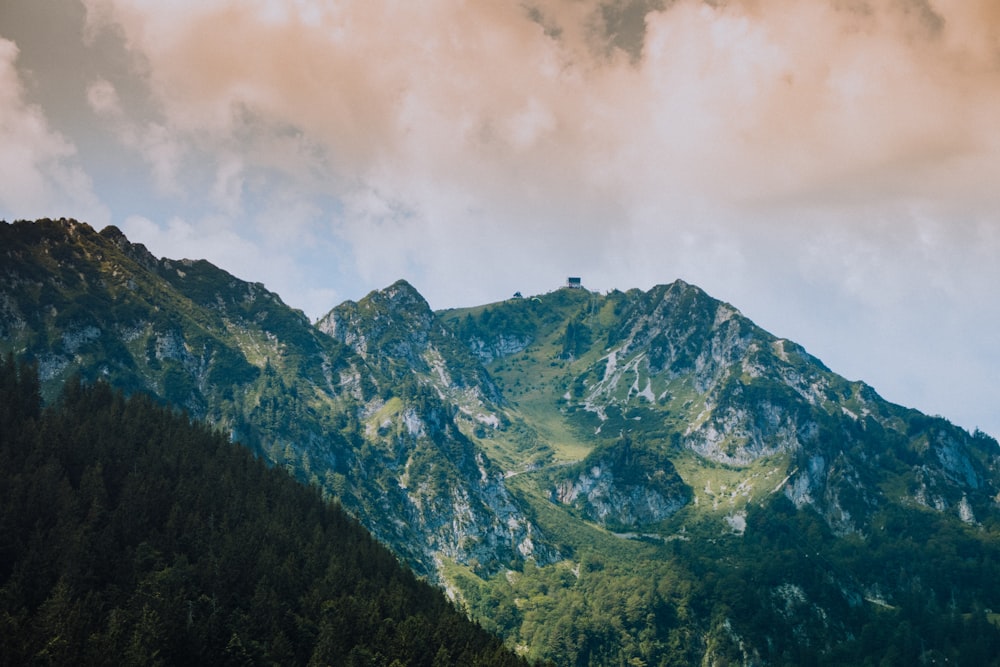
x,y
162,150
740,102
806,161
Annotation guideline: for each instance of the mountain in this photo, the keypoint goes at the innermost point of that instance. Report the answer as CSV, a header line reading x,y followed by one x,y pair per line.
x,y
234,354
640,477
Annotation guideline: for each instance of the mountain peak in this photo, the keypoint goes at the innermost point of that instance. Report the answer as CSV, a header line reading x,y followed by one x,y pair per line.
x,y
402,286
403,298
383,317
135,251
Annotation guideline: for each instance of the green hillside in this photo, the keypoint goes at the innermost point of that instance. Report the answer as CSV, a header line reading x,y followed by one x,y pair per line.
x,y
799,494
132,536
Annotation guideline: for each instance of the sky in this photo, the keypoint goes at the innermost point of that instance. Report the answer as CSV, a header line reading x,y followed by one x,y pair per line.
x,y
831,168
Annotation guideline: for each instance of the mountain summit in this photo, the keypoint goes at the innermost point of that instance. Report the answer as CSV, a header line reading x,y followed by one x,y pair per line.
x,y
633,476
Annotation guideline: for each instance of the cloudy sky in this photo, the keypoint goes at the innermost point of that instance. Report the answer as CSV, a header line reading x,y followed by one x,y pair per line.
x,y
829,167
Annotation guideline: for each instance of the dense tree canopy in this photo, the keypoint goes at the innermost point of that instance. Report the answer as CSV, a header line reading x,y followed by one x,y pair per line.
x,y
130,535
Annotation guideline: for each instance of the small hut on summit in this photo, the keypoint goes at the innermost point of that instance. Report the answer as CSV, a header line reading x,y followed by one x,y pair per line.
x,y
574,283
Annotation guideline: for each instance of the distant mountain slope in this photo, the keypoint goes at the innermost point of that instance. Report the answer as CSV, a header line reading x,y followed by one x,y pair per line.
x,y
133,537
632,477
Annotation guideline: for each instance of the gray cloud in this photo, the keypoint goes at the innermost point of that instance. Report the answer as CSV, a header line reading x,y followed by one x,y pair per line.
x,y
37,164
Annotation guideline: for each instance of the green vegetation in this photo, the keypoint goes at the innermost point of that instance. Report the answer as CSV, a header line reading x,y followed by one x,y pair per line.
x,y
132,536
786,592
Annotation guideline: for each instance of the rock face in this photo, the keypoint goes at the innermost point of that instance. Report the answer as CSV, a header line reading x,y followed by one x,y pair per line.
x,y
445,498
450,496
623,488
489,349
398,334
393,326
746,385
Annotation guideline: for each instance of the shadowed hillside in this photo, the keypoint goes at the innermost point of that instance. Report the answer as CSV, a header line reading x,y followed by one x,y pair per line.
x,y
131,535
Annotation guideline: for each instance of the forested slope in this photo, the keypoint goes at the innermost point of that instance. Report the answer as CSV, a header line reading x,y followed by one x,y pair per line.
x,y
130,535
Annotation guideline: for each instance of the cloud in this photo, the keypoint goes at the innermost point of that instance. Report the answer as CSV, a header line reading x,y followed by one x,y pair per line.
x,y
154,142
554,120
744,100
835,159
37,164
103,99
228,245
785,103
